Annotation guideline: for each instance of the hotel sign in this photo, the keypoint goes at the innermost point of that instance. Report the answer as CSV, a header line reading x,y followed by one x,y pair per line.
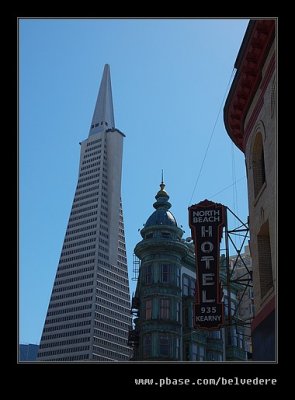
x,y
206,220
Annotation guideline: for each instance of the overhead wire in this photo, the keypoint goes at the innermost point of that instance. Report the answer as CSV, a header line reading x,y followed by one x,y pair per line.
x,y
227,187
210,139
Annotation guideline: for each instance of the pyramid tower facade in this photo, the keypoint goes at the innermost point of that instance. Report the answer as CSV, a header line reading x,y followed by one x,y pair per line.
x,y
88,317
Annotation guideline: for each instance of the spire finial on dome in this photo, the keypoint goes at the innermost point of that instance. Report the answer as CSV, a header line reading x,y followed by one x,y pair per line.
x,y
162,196
162,185
162,215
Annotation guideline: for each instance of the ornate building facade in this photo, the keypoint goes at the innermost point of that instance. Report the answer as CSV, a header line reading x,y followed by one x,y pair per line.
x,y
250,120
164,300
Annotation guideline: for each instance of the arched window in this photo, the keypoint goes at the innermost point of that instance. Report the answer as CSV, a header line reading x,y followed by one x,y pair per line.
x,y
258,164
264,260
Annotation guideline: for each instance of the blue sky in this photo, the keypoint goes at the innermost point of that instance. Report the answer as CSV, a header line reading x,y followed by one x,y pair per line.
x,y
169,79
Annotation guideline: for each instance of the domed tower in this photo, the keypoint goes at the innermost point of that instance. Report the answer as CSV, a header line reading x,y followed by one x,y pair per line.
x,y
163,304
161,252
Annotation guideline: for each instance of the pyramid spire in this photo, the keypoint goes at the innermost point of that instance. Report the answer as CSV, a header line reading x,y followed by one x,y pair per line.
x,y
103,116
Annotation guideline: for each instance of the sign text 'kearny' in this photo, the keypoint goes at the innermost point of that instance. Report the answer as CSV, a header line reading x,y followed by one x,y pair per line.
x,y
206,220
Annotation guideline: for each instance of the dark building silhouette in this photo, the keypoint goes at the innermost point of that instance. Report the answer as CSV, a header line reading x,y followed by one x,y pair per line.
x,y
250,120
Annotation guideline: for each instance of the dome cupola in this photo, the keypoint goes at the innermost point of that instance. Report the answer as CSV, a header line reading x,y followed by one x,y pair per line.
x,y
162,215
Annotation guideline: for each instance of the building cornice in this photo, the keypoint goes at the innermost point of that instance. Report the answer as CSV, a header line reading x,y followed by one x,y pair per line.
x,y
249,63
156,245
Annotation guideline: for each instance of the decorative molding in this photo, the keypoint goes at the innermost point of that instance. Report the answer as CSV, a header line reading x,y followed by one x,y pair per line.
x,y
250,61
259,127
260,101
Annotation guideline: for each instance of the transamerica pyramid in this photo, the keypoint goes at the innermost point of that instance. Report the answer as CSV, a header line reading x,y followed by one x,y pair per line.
x,y
88,316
